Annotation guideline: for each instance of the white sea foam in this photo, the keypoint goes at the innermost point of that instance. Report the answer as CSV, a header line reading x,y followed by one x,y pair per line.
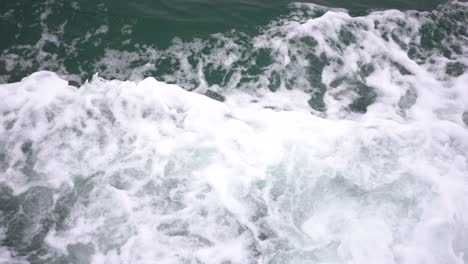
x,y
153,173
334,143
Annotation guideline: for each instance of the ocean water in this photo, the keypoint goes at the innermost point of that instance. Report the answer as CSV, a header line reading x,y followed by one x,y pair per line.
x,y
234,132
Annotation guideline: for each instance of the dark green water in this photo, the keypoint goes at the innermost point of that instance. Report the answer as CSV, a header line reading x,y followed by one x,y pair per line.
x,y
162,20
189,42
76,38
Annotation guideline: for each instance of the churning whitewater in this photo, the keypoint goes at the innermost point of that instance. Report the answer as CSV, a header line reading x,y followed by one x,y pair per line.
x,y
325,138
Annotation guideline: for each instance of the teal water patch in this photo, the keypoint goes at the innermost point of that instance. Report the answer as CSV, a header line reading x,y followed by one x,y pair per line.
x,y
128,41
303,48
69,37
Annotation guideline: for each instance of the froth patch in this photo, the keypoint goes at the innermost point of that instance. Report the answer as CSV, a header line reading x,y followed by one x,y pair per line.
x,y
145,171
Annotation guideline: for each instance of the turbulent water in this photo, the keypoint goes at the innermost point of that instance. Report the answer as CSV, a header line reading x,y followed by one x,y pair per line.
x,y
320,136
